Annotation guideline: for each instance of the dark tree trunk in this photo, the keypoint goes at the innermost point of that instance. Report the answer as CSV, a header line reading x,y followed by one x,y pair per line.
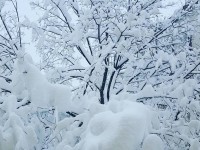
x,y
109,85
102,100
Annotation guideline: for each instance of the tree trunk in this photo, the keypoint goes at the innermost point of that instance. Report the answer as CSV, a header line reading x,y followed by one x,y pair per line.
x,y
102,99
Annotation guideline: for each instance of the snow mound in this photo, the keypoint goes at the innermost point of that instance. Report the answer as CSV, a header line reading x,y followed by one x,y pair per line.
x,y
152,142
195,145
122,126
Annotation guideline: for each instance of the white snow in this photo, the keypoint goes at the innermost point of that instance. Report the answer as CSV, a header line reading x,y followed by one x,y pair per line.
x,y
4,84
14,135
147,91
122,126
152,142
2,3
184,89
41,93
163,56
195,145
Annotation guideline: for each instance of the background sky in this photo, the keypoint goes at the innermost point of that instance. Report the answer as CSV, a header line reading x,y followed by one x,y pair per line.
x,y
25,10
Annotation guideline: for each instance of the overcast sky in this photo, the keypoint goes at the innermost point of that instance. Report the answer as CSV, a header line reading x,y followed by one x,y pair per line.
x,y
25,10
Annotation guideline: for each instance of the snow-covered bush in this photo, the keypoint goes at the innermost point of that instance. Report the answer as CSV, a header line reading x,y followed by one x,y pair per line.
x,y
117,125
35,112
122,126
33,106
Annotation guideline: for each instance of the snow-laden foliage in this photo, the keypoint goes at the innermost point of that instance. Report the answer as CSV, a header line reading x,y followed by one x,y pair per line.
x,y
114,125
171,123
111,46
29,82
144,69
94,42
10,41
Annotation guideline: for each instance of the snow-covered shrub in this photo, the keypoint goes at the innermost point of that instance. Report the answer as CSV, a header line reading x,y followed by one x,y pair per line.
x,y
32,108
117,125
15,132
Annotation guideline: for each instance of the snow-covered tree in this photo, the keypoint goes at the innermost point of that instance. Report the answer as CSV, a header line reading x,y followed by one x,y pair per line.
x,y
92,40
110,52
114,47
111,45
10,40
